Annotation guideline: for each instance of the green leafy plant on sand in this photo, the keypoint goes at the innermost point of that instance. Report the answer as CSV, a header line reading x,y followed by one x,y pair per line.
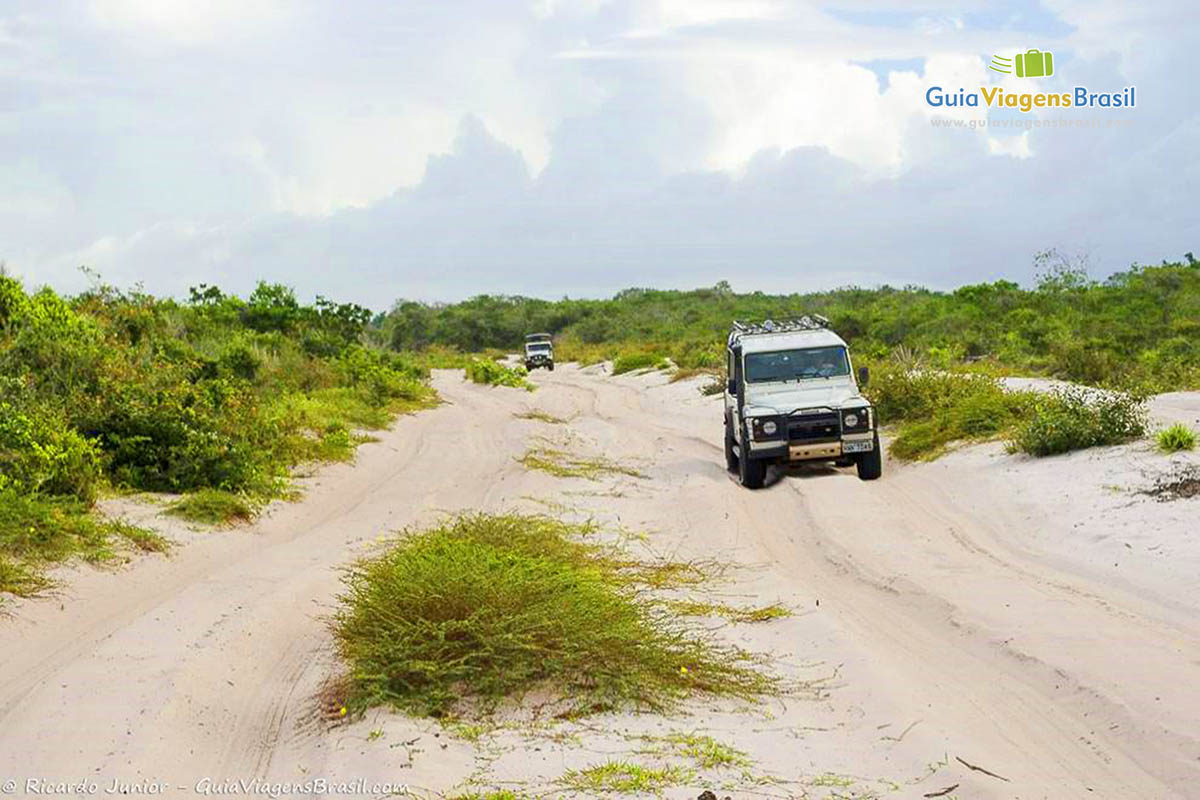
x,y
483,608
493,373
1175,438
562,464
1076,418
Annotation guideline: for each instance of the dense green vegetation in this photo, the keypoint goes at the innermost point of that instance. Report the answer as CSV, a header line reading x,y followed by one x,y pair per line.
x,y
1140,327
487,607
136,392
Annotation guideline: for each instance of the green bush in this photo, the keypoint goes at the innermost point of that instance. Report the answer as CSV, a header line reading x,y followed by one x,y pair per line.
x,y
493,373
1175,438
485,607
39,455
933,408
1074,419
628,362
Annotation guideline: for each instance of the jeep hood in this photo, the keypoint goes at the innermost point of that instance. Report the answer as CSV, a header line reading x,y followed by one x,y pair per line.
x,y
784,398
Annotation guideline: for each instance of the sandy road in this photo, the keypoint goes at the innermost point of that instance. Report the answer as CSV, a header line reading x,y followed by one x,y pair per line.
x,y
949,630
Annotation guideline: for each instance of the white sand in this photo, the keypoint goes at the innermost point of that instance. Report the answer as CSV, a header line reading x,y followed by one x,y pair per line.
x,y
1034,618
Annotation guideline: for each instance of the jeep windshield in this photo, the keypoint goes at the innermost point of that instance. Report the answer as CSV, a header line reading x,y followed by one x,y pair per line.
x,y
791,365
542,347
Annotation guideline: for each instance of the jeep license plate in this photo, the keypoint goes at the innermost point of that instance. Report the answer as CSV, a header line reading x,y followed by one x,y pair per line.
x,y
857,447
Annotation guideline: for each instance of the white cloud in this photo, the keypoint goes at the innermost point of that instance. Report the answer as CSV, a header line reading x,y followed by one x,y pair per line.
x,y
571,145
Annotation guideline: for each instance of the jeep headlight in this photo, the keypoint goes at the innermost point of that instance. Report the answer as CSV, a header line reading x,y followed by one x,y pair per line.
x,y
765,427
856,419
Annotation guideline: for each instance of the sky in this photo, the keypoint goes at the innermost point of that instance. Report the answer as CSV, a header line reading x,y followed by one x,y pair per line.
x,y
371,151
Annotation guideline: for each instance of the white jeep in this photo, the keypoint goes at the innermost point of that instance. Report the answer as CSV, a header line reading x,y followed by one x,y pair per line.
x,y
792,397
539,352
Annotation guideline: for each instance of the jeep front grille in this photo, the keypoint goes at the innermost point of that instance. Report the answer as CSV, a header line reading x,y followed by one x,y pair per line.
x,y
811,427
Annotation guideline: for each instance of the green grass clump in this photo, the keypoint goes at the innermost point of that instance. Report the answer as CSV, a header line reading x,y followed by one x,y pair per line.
x,y
626,778
540,416
1074,419
481,608
503,794
214,507
37,532
561,464
1175,438
628,362
493,373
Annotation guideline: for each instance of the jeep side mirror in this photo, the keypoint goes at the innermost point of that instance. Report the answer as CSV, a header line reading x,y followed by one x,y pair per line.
x,y
864,375
731,385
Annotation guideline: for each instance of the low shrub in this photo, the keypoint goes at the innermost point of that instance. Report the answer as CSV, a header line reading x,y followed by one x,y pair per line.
x,y
1075,418
486,607
628,362
934,408
493,373
1175,438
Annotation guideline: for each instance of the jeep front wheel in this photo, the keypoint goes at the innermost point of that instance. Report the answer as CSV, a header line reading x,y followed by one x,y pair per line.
x,y
870,464
752,472
731,459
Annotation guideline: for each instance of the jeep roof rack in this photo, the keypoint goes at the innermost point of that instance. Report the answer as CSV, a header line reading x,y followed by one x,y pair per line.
x,y
537,337
808,322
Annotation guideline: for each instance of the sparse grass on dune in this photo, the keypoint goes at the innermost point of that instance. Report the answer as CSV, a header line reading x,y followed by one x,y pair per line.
x,y
214,507
695,608
540,416
481,608
706,751
562,464
686,373
36,532
626,777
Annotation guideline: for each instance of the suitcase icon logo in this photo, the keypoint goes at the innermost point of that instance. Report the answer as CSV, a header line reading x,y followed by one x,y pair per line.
x,y
1030,64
